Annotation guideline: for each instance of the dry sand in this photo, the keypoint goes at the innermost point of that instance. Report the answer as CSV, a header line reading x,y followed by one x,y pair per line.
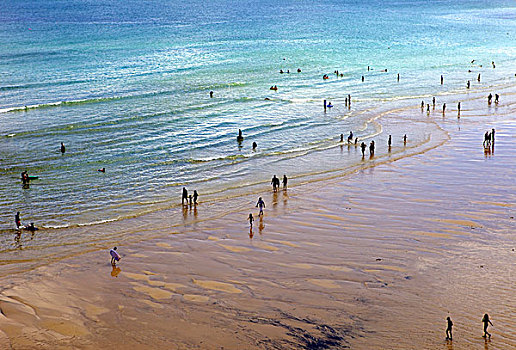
x,y
373,260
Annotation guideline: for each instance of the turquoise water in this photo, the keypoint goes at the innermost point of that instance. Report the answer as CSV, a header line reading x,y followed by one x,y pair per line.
x,y
125,85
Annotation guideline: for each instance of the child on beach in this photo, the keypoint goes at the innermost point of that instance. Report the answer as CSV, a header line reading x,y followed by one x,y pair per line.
x,y
449,328
114,256
486,322
260,204
251,219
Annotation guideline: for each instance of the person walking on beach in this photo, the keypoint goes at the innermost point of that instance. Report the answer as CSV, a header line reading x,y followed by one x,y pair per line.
x,y
422,105
492,135
433,102
487,139
389,142
363,147
17,220
449,328
114,256
497,98
444,107
405,139
184,197
489,98
63,148
275,183
250,219
371,148
458,108
486,322
285,180
350,137
261,205
341,137
195,196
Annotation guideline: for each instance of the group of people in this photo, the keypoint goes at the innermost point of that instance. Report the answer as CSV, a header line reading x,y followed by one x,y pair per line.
x,y
490,99
189,199
275,182
489,138
19,226
372,146
485,320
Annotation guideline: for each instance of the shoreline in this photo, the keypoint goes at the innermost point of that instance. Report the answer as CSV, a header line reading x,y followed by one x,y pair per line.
x,y
431,218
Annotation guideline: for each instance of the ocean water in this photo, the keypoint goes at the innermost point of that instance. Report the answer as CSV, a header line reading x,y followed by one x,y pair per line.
x,y
125,85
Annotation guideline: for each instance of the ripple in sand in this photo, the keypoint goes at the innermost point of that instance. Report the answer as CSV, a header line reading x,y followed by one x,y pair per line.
x,y
167,285
235,249
138,255
212,238
163,245
324,283
283,242
466,223
498,204
220,286
135,276
195,297
266,247
155,293
297,265
151,304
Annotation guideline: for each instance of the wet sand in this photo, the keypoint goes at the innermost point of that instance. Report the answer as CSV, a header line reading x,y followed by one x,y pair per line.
x,y
373,259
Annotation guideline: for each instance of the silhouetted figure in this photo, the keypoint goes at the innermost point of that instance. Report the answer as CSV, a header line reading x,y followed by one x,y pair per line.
x,y
489,99
362,78
17,220
275,183
444,107
356,141
458,108
341,137
350,137
428,108
211,94
371,148
368,68
433,102
281,71
422,105
389,142
487,139
114,256
254,145
31,227
240,138
497,98
195,196
363,147
250,219
486,322
324,104
398,76
405,139
346,101
190,199
285,180
63,148
299,70
25,177
478,78
494,66
442,80
449,328
349,100
261,205
184,197
468,85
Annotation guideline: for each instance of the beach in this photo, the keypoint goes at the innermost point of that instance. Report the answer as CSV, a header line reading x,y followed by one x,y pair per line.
x,y
373,259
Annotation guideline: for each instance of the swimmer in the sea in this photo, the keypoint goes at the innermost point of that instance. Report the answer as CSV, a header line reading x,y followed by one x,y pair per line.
x,y
63,148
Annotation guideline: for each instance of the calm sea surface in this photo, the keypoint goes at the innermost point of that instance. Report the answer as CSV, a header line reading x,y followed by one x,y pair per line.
x,y
125,85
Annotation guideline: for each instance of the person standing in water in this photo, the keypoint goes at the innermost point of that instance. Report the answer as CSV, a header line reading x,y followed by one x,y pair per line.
x,y
17,220
275,183
254,145
492,135
63,148
350,137
449,328
389,142
211,94
250,219
114,256
285,180
405,139
458,108
261,205
444,107
371,148
442,80
363,147
486,322
184,197
497,98
195,196
240,138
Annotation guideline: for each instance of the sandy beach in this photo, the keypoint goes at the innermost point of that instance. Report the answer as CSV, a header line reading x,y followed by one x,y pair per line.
x,y
375,258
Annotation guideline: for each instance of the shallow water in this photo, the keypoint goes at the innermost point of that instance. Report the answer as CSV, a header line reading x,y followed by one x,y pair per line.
x,y
125,86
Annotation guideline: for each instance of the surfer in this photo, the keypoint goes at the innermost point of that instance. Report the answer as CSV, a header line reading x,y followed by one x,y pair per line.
x,y
261,205
449,328
114,256
31,227
486,322
63,148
